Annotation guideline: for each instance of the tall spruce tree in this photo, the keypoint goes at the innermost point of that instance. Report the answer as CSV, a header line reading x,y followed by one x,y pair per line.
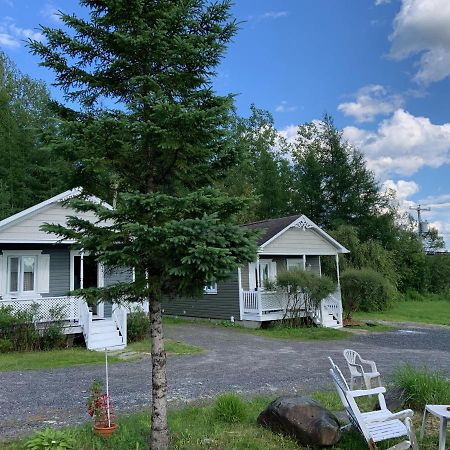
x,y
149,126
338,186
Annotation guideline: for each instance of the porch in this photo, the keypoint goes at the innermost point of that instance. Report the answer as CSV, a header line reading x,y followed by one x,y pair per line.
x,y
98,331
261,306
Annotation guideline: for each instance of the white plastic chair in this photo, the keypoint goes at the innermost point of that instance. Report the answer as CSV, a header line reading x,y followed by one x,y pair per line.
x,y
375,426
357,372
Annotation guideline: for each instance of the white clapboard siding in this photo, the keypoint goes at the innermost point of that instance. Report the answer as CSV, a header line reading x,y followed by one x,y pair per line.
x,y
28,229
299,241
43,278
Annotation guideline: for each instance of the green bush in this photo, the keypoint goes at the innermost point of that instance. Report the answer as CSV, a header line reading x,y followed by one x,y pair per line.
x,y
304,290
138,326
422,386
18,331
50,439
6,345
365,290
229,408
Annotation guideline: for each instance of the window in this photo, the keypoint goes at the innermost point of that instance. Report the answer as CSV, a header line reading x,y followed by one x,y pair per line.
x,y
294,263
211,287
21,274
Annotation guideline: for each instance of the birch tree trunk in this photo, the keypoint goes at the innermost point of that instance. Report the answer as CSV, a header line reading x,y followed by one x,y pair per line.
x,y
159,437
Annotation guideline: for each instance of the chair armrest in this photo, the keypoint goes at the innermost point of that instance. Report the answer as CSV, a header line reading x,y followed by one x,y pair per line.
x,y
372,364
397,416
358,366
366,392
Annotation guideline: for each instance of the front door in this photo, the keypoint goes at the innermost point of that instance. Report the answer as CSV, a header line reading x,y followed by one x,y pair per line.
x,y
90,275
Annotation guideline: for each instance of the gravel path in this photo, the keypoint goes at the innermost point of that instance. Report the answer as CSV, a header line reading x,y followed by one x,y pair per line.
x,y
233,361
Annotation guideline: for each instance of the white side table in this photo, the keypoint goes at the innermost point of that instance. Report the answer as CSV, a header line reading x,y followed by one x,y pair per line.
x,y
441,412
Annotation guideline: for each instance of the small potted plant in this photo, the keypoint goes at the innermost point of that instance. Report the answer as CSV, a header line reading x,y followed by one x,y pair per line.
x,y
99,407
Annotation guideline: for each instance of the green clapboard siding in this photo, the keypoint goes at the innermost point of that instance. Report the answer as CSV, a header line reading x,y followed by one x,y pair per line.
x,y
222,305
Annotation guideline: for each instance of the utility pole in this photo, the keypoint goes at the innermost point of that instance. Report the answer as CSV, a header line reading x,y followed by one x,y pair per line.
x,y
420,227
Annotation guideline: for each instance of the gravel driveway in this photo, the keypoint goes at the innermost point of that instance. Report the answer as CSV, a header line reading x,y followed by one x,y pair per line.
x,y
233,361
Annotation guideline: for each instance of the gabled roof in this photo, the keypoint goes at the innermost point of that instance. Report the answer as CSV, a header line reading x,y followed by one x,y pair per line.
x,y
56,199
272,228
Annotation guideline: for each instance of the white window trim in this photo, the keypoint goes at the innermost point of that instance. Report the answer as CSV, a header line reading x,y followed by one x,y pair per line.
x,y
272,273
289,262
7,254
212,289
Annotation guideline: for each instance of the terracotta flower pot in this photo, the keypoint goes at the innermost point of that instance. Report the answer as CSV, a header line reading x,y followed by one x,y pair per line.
x,y
105,431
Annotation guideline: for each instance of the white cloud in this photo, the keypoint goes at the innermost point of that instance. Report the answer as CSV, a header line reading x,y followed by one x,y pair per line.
x,y
49,11
402,188
285,107
371,101
403,144
273,15
12,36
422,28
382,2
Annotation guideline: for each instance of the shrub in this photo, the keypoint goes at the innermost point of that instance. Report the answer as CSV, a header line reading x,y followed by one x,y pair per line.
x,y
18,331
365,290
229,408
50,439
422,386
304,289
138,326
6,345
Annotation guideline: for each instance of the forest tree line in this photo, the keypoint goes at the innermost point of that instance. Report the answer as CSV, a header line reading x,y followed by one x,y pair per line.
x,y
318,174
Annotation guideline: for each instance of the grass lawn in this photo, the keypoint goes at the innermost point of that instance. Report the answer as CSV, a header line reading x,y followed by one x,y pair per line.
x,y
197,427
426,311
76,356
279,332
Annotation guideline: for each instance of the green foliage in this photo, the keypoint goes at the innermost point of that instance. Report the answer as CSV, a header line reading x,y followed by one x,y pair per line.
x,y
50,439
30,170
365,290
138,326
333,184
422,386
18,331
229,408
304,291
439,273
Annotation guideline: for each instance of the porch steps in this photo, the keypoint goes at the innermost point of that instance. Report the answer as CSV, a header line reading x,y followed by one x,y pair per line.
x,y
104,334
330,322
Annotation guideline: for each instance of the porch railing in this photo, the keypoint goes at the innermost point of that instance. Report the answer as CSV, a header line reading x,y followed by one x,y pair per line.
x,y
262,303
119,315
47,309
332,305
85,320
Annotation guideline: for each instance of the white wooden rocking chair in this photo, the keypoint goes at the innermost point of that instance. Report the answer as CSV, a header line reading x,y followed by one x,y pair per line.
x,y
357,371
375,426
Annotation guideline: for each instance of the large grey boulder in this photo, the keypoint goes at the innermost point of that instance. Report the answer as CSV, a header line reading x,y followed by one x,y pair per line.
x,y
303,419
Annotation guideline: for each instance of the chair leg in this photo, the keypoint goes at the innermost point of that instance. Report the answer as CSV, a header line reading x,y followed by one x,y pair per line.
x,y
424,422
411,433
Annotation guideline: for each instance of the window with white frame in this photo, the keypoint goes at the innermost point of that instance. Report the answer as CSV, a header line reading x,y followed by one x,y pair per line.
x,y
294,263
21,274
211,287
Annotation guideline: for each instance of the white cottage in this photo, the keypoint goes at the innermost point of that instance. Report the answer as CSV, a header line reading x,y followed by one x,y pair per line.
x,y
285,242
38,268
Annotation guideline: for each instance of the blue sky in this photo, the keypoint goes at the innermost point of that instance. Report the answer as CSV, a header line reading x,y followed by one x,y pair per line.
x,y
380,67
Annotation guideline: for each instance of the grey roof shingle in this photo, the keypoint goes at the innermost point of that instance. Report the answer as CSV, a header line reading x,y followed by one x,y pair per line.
x,y
270,227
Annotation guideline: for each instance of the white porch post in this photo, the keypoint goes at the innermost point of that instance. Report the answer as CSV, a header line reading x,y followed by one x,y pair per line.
x,y
304,262
82,269
241,295
337,271
320,267
258,287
